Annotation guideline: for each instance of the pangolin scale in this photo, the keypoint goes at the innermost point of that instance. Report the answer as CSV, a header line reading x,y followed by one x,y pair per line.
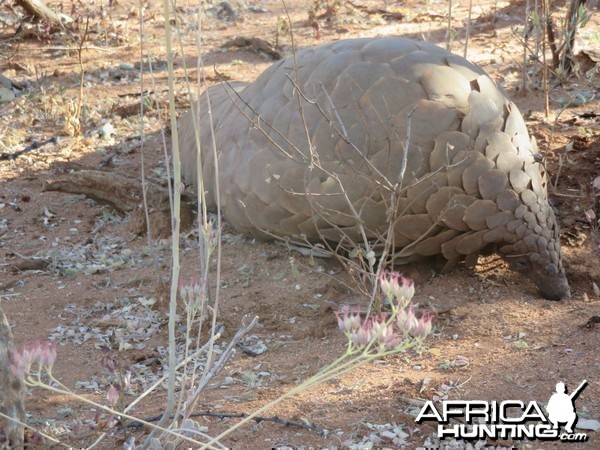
x,y
327,139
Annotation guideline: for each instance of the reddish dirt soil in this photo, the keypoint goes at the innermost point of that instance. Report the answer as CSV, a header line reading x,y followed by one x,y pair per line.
x,y
105,290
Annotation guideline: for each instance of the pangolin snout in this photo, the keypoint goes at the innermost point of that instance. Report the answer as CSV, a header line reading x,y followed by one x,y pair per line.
x,y
555,288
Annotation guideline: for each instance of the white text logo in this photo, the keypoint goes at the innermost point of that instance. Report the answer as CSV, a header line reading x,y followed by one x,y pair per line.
x,y
511,419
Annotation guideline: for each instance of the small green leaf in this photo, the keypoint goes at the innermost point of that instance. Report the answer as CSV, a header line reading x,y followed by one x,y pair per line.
x,y
521,345
294,268
535,18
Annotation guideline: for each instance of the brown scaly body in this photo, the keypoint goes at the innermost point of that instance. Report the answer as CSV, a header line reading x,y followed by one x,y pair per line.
x,y
469,177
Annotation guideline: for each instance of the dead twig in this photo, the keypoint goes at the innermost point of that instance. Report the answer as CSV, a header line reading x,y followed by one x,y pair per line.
x,y
217,366
23,264
256,45
575,16
123,193
258,419
29,148
40,11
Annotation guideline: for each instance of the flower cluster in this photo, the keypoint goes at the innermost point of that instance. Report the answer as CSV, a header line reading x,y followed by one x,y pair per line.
x,y
208,233
191,295
189,292
417,324
39,354
387,332
123,382
398,290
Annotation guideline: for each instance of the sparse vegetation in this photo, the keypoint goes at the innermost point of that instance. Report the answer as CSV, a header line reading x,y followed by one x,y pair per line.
x,y
252,353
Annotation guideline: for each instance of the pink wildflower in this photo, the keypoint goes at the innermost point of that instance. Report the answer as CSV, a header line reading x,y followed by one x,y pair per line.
x,y
386,335
417,325
406,321
113,394
41,353
361,336
47,354
20,363
397,289
389,283
425,323
189,292
348,322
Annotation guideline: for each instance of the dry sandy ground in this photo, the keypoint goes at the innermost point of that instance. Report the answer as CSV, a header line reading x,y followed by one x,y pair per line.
x,y
104,292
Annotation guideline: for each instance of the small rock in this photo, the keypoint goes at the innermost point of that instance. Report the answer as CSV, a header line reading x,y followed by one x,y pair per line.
x,y
588,424
6,95
388,434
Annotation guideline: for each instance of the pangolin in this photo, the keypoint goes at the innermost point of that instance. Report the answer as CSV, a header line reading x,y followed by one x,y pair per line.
x,y
376,131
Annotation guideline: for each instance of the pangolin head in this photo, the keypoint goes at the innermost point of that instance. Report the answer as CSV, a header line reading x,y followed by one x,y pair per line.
x,y
525,226
534,247
550,279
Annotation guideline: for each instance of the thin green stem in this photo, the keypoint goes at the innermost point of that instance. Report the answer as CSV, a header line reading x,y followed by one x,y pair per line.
x,y
33,383
333,370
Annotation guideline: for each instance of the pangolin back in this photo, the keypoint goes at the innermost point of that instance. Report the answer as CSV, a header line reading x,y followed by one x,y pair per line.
x,y
320,141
